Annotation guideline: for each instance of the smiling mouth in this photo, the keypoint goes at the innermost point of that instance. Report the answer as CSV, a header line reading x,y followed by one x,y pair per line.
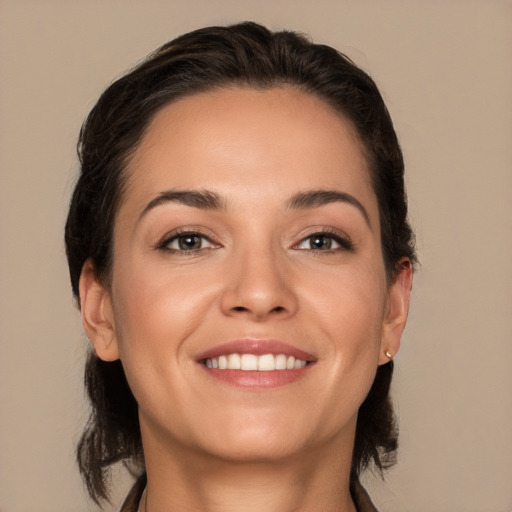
x,y
251,362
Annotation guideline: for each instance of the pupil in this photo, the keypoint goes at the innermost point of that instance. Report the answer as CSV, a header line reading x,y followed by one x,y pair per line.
x,y
321,242
188,242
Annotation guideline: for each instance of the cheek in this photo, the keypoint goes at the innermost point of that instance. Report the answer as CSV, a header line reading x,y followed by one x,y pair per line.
x,y
348,310
153,319
345,309
153,302
350,303
157,309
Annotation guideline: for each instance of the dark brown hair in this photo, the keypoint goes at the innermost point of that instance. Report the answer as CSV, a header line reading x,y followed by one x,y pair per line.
x,y
244,55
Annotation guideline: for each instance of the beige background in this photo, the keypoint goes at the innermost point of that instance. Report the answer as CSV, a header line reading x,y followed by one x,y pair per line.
x,y
445,70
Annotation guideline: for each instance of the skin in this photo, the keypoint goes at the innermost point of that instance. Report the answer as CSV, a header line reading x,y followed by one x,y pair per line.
x,y
210,445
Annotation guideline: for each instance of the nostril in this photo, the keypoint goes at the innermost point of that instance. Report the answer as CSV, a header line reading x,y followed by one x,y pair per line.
x,y
277,309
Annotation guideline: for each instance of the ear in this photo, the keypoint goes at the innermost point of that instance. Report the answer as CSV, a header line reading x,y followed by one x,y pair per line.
x,y
398,308
97,314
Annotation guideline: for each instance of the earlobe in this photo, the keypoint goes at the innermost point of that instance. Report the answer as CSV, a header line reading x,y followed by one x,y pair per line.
x,y
398,309
97,314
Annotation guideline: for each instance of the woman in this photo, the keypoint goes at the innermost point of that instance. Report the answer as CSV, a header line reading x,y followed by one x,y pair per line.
x,y
239,248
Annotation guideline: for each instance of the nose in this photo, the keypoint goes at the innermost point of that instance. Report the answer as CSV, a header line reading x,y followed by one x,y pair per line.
x,y
259,286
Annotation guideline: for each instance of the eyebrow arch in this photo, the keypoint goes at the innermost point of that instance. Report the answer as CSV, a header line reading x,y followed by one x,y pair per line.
x,y
203,199
316,198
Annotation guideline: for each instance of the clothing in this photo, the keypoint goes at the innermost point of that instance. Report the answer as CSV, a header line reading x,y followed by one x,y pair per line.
x,y
131,503
361,499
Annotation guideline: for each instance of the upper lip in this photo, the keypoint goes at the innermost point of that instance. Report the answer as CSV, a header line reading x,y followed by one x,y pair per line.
x,y
256,347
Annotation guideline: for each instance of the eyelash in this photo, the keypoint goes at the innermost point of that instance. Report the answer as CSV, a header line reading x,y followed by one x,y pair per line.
x,y
344,242
164,245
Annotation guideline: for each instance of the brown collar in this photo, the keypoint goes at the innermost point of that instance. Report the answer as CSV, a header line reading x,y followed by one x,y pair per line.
x,y
361,498
131,503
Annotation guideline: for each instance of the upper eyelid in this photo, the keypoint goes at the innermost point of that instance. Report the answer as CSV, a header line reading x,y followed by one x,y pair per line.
x,y
345,244
335,233
319,230
173,235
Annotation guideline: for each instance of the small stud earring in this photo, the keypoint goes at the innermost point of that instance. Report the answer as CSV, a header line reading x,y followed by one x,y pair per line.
x,y
388,354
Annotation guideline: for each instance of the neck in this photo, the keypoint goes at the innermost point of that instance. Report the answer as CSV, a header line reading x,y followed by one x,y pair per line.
x,y
182,480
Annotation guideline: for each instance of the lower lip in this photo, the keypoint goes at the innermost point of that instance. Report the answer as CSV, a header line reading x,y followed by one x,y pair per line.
x,y
257,379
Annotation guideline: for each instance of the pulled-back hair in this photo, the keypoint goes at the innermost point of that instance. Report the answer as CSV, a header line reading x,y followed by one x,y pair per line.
x,y
243,55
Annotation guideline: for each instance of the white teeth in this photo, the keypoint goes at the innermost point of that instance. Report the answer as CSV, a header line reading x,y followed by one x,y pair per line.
x,y
266,363
281,362
234,362
250,362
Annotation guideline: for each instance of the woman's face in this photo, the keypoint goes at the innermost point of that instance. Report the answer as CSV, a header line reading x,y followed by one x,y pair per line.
x,y
248,235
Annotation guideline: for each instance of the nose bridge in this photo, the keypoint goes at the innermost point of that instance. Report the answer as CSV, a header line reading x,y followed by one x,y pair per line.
x,y
258,283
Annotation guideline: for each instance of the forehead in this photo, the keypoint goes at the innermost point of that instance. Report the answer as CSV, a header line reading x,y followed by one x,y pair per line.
x,y
249,141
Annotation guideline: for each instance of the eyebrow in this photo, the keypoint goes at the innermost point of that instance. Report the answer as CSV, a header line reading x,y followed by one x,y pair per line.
x,y
208,200
202,199
317,198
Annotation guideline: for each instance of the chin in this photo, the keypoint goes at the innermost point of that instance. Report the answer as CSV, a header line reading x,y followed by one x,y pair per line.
x,y
254,448
262,438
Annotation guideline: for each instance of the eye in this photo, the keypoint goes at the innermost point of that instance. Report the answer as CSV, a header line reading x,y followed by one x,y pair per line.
x,y
187,242
325,242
